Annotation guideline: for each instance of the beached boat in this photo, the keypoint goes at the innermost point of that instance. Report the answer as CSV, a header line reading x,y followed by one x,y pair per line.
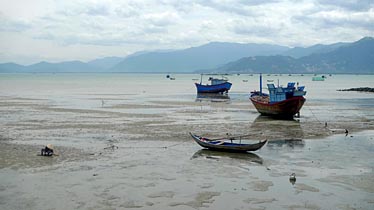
x,y
281,102
226,144
216,86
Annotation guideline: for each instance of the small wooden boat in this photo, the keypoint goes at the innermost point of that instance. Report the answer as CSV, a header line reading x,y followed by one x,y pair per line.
x,y
216,86
226,144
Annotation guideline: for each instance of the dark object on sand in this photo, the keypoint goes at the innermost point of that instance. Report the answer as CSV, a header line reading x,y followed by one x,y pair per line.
x,y
226,144
281,102
293,178
47,151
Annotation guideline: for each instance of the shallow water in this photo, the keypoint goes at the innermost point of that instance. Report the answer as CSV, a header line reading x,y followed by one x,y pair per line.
x,y
332,173
157,166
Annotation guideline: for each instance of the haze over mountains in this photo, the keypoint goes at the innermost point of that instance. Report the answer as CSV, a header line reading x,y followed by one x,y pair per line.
x,y
220,57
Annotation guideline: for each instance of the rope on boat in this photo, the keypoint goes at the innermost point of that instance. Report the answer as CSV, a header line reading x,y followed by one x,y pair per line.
x,y
165,147
156,147
177,144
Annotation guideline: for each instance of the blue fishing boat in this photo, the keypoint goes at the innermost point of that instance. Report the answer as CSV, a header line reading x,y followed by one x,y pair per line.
x,y
215,86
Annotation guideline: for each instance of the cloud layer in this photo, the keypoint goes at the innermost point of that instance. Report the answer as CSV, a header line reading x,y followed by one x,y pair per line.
x,y
85,29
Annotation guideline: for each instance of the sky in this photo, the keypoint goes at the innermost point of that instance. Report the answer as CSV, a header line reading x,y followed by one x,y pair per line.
x,y
54,30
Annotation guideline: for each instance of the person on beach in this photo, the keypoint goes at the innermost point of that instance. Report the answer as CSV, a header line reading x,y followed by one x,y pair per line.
x,y
48,150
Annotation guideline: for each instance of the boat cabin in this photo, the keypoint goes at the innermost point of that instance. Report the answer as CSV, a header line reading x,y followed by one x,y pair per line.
x,y
215,81
277,94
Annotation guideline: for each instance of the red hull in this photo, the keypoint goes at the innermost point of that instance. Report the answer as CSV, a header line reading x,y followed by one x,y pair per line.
x,y
284,109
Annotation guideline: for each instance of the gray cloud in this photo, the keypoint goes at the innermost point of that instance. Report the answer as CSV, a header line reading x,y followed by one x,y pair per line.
x,y
162,19
10,25
336,18
121,26
98,9
352,5
244,8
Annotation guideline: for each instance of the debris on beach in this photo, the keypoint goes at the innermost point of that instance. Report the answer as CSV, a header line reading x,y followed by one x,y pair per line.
x,y
48,150
112,147
293,178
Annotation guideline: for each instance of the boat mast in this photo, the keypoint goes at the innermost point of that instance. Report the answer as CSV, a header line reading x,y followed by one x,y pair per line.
x,y
201,79
260,83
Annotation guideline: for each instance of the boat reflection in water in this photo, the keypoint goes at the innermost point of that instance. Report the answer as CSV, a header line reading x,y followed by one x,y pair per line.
x,y
227,156
279,132
212,97
287,142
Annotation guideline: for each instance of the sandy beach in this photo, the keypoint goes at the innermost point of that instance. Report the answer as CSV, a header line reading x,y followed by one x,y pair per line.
x,y
126,155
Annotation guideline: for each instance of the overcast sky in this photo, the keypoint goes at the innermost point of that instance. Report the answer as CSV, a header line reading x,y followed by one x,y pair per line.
x,y
52,30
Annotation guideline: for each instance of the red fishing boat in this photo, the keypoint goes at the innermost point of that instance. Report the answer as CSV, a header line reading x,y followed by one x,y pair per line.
x,y
281,102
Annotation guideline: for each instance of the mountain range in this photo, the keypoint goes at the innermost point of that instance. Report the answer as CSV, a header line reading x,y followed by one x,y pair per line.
x,y
356,57
223,57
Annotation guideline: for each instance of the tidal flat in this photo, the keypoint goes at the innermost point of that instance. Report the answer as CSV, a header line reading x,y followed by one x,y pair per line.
x,y
133,151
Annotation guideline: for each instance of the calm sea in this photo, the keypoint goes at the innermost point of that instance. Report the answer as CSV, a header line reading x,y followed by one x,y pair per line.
x,y
91,90
64,87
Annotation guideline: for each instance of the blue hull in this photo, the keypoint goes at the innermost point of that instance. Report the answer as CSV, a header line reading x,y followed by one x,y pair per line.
x,y
220,88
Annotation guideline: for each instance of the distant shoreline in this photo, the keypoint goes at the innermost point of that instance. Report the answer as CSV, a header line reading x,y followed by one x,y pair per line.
x,y
231,73
360,89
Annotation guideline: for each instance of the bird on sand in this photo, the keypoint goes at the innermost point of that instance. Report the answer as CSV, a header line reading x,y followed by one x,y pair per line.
x,y
293,178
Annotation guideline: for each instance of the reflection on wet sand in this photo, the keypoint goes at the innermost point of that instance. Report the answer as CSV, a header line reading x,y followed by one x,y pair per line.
x,y
212,97
278,131
218,155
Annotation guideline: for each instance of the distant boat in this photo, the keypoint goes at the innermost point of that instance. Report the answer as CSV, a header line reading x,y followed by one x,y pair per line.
x,y
281,102
318,78
245,80
226,144
169,77
216,86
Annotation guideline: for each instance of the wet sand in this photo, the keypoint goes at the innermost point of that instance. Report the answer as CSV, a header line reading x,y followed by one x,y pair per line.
x,y
158,166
